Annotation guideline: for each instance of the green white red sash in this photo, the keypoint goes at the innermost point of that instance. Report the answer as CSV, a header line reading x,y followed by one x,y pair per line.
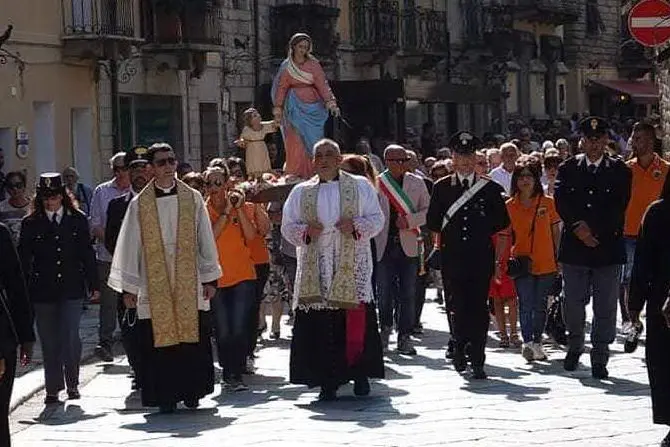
x,y
396,196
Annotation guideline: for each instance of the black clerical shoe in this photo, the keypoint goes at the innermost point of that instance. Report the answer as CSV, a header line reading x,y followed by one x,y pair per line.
x,y
104,353
450,349
459,362
478,373
167,408
191,403
328,394
73,395
599,372
571,360
362,386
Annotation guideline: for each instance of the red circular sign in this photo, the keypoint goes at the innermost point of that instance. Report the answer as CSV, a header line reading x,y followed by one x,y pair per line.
x,y
649,22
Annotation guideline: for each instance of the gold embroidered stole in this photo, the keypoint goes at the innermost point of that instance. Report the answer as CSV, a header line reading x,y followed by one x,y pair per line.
x,y
342,293
173,303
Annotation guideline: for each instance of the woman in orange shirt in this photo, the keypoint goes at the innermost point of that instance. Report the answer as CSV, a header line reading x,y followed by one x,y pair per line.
x,y
535,230
233,225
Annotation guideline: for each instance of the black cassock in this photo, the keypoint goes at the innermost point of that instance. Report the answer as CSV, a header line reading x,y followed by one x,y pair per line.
x,y
650,284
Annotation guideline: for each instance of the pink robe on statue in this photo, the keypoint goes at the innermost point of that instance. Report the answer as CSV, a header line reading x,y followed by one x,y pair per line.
x,y
298,160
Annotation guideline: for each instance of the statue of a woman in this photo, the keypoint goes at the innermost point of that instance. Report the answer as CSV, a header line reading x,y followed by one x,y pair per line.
x,y
302,99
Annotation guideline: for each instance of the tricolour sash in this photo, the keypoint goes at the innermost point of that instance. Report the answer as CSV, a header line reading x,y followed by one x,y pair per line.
x,y
396,196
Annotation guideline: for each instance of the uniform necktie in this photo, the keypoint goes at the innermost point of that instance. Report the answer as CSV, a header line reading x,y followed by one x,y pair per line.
x,y
465,183
592,169
54,219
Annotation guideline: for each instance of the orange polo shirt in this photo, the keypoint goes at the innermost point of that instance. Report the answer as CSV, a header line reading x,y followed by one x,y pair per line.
x,y
234,255
543,259
259,250
646,187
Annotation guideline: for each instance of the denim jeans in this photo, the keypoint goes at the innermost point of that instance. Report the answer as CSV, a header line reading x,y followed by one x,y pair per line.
x,y
232,307
532,291
58,330
396,280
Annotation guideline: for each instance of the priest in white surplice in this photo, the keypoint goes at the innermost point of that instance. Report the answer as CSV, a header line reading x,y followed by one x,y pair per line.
x,y
331,219
166,265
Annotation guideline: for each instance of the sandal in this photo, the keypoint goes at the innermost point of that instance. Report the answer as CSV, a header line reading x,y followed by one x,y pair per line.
x,y
515,340
504,341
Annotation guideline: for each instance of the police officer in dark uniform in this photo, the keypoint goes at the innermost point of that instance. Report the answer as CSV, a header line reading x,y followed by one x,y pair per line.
x,y
592,192
466,210
59,265
138,166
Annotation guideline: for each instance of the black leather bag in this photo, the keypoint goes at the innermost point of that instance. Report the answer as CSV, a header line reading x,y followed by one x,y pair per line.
x,y
520,266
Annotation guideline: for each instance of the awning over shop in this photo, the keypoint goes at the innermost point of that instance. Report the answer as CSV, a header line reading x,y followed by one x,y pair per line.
x,y
444,92
645,92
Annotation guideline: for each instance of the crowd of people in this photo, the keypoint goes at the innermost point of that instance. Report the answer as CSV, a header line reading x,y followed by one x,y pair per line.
x,y
189,265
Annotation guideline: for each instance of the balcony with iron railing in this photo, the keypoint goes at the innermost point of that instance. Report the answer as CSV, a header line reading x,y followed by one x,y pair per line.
x,y
425,31
547,11
194,26
94,28
375,25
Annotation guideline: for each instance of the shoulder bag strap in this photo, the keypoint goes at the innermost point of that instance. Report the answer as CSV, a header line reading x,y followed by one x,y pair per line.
x,y
532,226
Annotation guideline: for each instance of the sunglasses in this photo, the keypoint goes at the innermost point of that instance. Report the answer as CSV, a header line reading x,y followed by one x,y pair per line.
x,y
161,162
217,183
15,185
397,160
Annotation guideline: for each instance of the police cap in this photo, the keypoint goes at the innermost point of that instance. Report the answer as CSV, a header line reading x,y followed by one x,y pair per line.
x,y
593,126
464,143
136,155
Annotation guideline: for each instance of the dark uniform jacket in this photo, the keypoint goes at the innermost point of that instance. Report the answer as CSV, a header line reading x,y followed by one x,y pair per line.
x,y
58,260
599,199
116,211
466,247
16,317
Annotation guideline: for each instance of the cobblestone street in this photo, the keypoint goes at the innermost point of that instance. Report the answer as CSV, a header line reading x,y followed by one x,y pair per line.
x,y
422,401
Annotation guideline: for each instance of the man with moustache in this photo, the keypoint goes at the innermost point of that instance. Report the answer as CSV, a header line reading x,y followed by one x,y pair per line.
x,y
138,166
465,211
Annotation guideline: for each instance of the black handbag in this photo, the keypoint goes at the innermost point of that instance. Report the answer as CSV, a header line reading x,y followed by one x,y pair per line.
x,y
520,266
555,326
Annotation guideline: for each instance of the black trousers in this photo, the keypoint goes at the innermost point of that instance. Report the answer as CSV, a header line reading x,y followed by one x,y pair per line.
x,y
262,273
6,385
127,320
421,286
471,316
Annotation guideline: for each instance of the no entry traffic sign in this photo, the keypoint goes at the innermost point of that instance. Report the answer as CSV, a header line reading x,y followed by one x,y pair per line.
x,y
649,22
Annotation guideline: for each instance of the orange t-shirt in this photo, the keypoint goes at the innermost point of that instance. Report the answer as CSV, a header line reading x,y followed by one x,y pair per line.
x,y
259,250
234,255
542,257
646,187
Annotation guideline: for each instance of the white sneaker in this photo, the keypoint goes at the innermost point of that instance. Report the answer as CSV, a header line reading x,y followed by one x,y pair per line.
x,y
538,352
528,352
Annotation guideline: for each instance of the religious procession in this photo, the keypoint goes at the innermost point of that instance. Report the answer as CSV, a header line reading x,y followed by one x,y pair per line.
x,y
516,239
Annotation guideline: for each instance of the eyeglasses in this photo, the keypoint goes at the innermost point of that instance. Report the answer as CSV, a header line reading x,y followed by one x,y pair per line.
x,y
15,185
217,183
397,160
161,162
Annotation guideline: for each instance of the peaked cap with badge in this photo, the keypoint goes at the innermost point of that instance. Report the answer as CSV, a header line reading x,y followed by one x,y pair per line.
x,y
138,154
593,126
464,143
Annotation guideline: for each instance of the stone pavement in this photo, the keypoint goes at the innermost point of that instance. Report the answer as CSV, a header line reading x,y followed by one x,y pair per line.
x,y
422,402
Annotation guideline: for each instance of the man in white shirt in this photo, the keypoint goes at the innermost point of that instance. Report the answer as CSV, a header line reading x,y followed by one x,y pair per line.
x,y
503,173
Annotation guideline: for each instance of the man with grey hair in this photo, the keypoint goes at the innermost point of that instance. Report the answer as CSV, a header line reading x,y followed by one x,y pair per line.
x,y
103,194
83,193
563,148
331,218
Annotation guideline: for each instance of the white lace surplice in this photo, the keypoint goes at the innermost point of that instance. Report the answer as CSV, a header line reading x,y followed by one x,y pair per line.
x,y
368,222
128,272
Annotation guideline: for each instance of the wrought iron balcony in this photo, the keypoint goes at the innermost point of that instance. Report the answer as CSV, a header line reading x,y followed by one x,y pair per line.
x,y
425,31
375,25
194,26
96,28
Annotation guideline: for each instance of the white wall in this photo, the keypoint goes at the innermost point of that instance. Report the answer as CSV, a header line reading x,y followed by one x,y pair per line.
x,y
82,144
43,140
